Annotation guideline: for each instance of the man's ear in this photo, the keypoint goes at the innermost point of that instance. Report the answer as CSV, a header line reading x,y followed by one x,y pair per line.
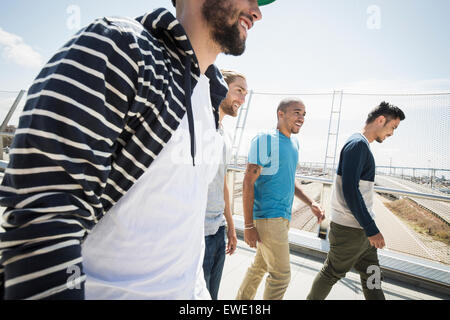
x,y
280,114
381,121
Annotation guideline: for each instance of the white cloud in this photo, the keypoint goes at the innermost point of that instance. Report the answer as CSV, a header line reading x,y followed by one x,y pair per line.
x,y
14,49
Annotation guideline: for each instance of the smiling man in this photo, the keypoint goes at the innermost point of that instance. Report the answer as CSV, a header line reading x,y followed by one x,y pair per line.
x,y
228,23
268,193
354,236
218,209
98,205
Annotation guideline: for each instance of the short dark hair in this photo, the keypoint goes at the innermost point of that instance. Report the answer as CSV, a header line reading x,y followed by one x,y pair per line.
x,y
174,2
285,103
387,110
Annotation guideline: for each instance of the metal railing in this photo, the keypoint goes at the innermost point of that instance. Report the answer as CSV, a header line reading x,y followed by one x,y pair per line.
x,y
376,188
5,122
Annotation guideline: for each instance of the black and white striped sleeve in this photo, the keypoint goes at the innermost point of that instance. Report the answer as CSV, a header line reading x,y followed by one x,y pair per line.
x,y
60,161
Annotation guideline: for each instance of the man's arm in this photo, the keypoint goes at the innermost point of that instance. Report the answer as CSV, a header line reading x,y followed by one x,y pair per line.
x,y
353,159
60,163
231,232
315,207
252,173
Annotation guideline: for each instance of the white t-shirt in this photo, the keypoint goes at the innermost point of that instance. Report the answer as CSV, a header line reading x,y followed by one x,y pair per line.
x,y
215,207
150,245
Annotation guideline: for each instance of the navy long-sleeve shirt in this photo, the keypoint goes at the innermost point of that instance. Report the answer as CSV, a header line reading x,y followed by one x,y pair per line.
x,y
352,198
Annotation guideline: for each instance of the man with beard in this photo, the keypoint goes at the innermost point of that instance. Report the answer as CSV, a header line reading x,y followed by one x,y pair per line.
x,y
354,236
111,137
218,210
268,193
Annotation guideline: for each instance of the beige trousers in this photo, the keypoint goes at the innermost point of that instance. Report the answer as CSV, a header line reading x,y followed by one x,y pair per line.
x,y
272,256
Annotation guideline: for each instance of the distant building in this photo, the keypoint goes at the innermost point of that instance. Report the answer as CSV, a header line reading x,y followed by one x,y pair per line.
x,y
7,141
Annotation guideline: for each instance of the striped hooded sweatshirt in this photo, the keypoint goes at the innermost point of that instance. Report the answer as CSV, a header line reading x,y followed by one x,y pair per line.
x,y
96,117
352,196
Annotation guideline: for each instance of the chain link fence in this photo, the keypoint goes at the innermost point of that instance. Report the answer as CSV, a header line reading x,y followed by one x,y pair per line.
x,y
415,159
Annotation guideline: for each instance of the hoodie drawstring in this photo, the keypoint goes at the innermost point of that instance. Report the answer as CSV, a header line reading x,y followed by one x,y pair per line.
x,y
187,94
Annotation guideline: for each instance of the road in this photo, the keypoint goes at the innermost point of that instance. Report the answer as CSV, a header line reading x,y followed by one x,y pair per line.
x,y
440,208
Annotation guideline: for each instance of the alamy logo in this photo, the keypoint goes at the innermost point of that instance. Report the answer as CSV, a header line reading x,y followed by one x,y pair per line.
x,y
73,282
73,22
374,281
208,148
266,153
374,19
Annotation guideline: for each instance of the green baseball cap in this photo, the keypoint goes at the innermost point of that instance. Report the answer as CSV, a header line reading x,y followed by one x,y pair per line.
x,y
264,2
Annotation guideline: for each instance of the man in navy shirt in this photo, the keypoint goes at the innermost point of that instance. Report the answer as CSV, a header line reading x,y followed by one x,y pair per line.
x,y
268,193
354,236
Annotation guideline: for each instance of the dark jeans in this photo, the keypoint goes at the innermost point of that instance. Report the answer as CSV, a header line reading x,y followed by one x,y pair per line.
x,y
214,261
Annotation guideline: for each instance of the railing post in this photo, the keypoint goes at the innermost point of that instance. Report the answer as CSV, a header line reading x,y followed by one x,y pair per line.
x,y
325,203
8,117
11,111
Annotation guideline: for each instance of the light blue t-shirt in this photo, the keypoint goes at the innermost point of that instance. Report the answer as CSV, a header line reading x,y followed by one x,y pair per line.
x,y
275,187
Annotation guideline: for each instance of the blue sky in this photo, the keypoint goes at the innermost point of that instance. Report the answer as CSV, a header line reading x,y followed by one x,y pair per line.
x,y
307,44
299,46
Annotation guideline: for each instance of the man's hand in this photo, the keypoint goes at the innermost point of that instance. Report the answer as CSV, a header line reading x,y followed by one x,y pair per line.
x,y
251,237
252,174
232,241
315,207
318,212
377,241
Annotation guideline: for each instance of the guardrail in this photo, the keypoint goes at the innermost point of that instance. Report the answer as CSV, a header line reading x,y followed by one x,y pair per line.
x,y
397,192
376,188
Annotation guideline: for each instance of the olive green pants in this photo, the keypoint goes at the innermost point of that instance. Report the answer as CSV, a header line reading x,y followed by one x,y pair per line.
x,y
349,248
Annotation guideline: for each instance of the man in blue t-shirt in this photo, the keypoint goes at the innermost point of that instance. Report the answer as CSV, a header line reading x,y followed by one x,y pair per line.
x,y
268,194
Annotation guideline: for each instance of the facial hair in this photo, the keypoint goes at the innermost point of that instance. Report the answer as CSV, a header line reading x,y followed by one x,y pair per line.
x,y
217,15
227,108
